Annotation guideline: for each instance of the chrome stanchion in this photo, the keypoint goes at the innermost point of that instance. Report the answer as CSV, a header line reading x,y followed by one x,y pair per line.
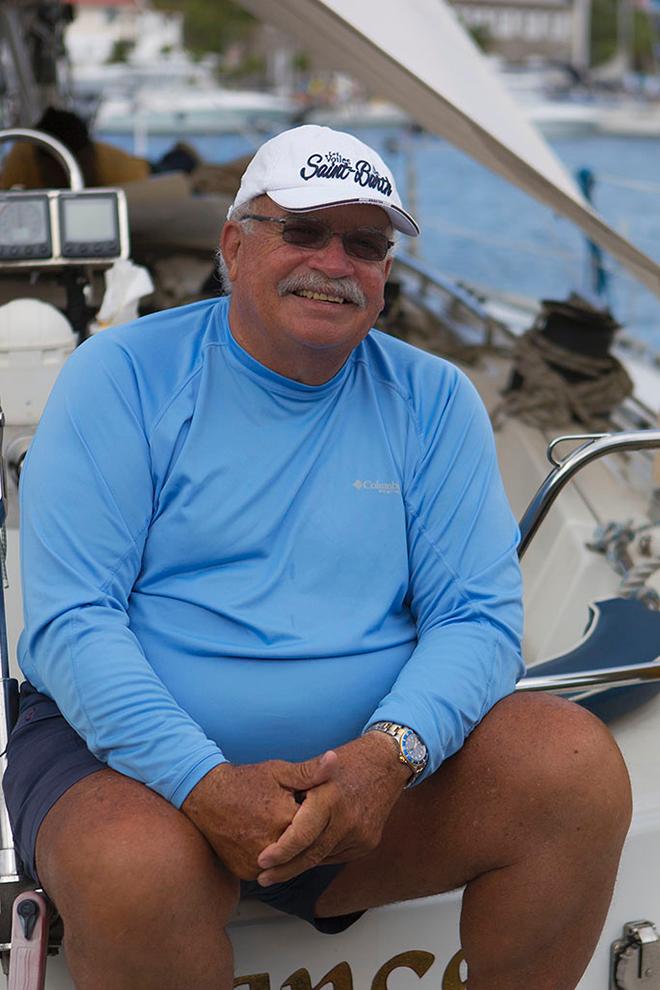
x,y
12,883
8,701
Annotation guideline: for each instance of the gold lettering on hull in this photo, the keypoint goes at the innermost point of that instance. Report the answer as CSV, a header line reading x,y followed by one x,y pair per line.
x,y
419,962
258,981
452,975
340,976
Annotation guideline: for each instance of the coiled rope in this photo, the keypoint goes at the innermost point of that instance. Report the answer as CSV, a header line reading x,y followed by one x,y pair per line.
x,y
546,399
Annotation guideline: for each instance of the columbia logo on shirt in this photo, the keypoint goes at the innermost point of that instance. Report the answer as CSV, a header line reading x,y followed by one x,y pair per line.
x,y
382,487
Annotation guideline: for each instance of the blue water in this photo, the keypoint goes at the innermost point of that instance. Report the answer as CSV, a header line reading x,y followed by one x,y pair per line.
x,y
478,227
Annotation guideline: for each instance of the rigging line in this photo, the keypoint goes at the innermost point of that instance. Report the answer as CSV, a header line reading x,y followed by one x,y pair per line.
x,y
472,235
611,266
638,184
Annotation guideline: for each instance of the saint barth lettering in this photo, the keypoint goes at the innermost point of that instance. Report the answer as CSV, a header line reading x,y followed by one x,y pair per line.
x,y
335,166
366,175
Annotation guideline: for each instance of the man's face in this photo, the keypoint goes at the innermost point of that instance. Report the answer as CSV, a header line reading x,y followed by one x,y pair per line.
x,y
274,313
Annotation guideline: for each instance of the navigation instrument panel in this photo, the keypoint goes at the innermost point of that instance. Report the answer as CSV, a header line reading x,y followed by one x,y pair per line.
x,y
25,228
59,227
89,225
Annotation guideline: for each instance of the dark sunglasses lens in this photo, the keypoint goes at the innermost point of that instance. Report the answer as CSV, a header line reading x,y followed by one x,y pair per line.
x,y
368,245
305,233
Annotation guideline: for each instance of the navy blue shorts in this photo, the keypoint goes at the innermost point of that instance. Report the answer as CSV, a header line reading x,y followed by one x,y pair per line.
x,y
45,757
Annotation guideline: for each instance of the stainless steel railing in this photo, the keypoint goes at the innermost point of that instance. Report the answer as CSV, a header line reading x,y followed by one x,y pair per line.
x,y
8,706
593,447
55,147
636,673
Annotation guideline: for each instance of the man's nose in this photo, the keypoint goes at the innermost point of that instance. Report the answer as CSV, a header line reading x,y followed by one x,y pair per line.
x,y
332,258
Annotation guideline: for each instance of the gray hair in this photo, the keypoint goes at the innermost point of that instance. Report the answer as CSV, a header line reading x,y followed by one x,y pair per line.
x,y
220,269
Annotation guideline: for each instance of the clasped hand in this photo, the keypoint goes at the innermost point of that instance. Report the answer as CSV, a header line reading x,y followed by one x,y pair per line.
x,y
254,817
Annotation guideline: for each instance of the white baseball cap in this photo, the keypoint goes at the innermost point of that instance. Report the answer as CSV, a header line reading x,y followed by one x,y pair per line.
x,y
312,167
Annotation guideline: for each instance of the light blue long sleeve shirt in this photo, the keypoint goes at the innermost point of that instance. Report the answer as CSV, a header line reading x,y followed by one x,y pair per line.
x,y
222,563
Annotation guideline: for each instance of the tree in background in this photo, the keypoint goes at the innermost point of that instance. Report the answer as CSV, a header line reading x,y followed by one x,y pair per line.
x,y
121,50
605,41
210,26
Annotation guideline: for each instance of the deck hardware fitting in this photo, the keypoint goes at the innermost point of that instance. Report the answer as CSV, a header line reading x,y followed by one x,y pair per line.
x,y
635,958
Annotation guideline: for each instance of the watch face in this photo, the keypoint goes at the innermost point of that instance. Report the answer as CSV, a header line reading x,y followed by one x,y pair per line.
x,y
413,749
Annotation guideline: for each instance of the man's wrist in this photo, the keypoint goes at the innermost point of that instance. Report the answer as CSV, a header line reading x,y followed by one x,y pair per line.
x,y
207,787
411,749
385,750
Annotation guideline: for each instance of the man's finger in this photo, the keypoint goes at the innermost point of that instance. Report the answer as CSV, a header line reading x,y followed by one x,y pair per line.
x,y
311,773
308,823
312,856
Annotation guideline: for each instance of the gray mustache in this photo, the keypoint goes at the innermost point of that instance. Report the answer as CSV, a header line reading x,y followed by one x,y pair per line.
x,y
345,288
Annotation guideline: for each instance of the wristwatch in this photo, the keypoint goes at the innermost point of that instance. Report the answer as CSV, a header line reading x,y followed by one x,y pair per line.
x,y
412,750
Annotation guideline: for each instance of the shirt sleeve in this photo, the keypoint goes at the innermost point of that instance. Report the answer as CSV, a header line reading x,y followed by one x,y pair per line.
x,y
465,586
87,497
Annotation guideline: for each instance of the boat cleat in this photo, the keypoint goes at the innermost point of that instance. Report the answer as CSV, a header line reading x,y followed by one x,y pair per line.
x,y
635,959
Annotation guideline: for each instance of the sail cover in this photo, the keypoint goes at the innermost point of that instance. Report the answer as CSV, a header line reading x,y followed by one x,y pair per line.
x,y
416,54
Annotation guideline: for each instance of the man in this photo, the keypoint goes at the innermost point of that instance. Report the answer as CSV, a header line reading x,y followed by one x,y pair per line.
x,y
271,583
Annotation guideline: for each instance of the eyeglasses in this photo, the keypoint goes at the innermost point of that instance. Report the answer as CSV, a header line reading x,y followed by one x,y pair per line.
x,y
363,243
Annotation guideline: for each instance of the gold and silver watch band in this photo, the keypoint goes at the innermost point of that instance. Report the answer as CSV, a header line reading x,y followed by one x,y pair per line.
x,y
412,751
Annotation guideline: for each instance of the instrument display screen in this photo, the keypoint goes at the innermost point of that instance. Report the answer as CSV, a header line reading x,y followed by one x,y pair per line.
x,y
89,219
60,227
89,224
24,227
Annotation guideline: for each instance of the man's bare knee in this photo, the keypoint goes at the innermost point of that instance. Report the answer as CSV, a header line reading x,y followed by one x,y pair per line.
x,y
556,764
110,849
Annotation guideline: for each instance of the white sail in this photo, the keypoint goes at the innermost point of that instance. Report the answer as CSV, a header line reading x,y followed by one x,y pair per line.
x,y
415,53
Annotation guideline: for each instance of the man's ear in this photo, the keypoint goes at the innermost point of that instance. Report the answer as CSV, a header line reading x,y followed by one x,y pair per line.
x,y
230,245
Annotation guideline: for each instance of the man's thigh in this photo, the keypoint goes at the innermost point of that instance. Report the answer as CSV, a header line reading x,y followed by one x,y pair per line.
x,y
108,835
534,770
143,898
89,828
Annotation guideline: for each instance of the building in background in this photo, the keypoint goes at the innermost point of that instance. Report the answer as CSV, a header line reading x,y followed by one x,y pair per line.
x,y
108,30
517,29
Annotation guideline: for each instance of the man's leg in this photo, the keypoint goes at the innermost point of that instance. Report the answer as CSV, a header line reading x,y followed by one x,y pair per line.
x,y
143,898
531,815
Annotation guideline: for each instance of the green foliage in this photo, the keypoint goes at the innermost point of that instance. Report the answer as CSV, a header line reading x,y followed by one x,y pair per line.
x,y
644,56
251,69
121,49
302,63
604,35
603,30
481,35
210,25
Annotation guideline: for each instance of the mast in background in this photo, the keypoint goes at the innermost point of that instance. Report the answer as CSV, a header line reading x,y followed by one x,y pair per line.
x,y
581,35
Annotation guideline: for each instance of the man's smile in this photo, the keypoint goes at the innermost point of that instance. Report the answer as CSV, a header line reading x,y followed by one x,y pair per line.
x,y
317,287
319,296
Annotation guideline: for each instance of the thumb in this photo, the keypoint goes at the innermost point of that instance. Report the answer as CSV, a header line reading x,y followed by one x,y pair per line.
x,y
310,773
